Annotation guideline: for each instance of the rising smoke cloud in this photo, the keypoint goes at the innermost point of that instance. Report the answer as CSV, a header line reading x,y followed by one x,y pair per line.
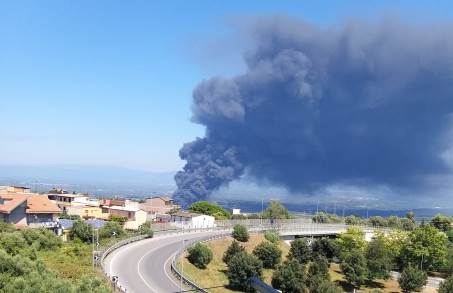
x,y
358,103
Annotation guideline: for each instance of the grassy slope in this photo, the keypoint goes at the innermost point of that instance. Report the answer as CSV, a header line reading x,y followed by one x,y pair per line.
x,y
214,279
71,261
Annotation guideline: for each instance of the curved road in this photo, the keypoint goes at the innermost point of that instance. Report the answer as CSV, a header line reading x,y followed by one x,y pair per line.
x,y
144,266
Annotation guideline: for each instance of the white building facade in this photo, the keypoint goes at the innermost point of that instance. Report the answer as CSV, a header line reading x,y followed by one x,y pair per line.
x,y
187,220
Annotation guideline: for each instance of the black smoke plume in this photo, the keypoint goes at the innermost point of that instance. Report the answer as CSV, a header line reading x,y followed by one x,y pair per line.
x,y
359,103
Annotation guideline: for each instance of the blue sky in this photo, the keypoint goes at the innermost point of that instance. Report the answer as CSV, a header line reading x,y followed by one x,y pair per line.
x,y
110,82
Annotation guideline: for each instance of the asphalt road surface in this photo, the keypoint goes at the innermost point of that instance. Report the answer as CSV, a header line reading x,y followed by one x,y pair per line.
x,y
144,266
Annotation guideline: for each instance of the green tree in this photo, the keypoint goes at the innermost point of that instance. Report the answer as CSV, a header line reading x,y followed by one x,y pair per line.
x,y
268,253
210,209
275,210
353,239
199,255
242,267
377,221
233,249
240,233
353,220
321,217
378,259
354,267
111,229
318,272
407,224
441,222
446,286
146,229
82,231
426,247
448,265
290,277
323,247
410,216
412,279
272,236
300,251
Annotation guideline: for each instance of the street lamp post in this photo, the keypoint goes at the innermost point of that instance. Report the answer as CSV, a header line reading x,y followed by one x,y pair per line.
x,y
182,265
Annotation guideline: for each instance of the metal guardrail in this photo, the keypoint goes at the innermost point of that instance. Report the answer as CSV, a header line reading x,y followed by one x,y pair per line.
x,y
187,281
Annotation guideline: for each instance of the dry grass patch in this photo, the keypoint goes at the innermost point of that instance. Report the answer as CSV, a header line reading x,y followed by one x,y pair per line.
x,y
214,276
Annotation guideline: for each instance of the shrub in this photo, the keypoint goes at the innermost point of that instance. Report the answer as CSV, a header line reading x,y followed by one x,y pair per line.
x,y
13,242
326,286
412,279
82,231
233,249
240,233
41,239
268,253
119,219
272,236
199,255
290,277
145,229
111,229
354,268
90,284
241,268
446,286
300,251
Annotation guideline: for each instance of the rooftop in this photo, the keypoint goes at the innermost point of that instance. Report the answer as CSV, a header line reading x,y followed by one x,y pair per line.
x,y
127,208
186,214
36,204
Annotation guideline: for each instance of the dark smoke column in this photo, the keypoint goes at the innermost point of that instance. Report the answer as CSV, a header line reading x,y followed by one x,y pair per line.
x,y
355,104
209,166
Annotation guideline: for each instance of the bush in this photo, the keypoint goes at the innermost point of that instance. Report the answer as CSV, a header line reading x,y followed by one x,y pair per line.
x,y
412,279
82,231
5,227
41,239
275,210
240,233
199,255
354,268
89,284
290,277
232,250
446,286
145,229
300,251
326,286
450,235
13,242
272,236
241,268
268,253
119,219
111,229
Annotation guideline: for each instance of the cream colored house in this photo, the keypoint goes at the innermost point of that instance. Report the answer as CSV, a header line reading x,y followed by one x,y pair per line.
x,y
135,216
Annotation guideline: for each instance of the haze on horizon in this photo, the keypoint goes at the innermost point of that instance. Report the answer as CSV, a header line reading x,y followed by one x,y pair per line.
x,y
101,84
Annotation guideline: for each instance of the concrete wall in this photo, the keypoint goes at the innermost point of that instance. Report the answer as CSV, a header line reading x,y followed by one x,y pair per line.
x,y
18,215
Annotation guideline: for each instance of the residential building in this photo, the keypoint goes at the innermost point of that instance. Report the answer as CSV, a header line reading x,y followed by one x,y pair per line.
x,y
28,209
158,205
135,216
67,199
86,212
188,220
